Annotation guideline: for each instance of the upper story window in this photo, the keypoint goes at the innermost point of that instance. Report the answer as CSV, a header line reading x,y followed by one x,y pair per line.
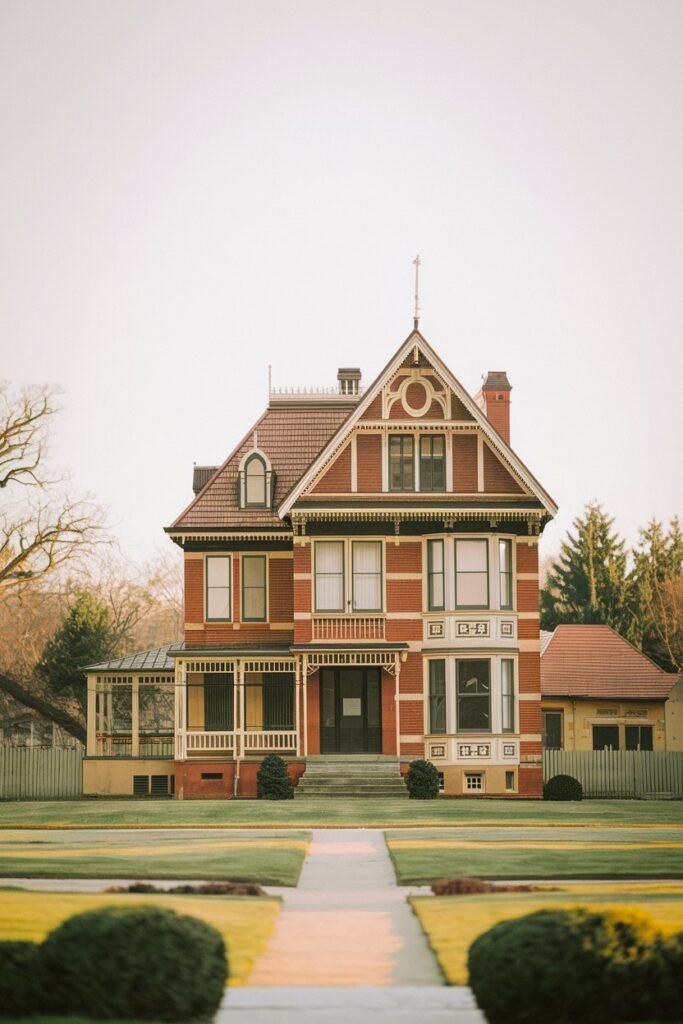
x,y
505,572
254,590
256,480
348,575
401,462
218,588
433,462
471,574
436,590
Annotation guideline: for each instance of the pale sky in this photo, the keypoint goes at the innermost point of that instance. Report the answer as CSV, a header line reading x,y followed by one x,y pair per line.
x,y
190,191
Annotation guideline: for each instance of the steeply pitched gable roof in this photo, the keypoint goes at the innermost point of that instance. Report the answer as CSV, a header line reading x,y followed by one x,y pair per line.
x,y
291,436
595,661
416,340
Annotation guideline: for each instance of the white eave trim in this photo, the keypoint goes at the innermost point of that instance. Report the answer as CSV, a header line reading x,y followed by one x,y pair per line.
x,y
480,420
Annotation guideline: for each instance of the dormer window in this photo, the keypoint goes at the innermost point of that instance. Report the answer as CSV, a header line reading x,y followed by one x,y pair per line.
x,y
256,480
255,483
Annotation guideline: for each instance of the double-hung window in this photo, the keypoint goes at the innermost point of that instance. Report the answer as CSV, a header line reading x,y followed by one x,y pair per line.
x,y
255,482
507,694
471,574
254,589
433,462
401,462
505,572
436,591
366,572
218,569
474,695
329,576
437,696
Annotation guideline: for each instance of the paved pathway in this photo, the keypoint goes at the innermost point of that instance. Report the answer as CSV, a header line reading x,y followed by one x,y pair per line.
x,y
347,923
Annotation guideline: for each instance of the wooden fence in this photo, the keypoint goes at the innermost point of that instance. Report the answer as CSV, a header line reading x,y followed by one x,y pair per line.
x,y
634,774
36,774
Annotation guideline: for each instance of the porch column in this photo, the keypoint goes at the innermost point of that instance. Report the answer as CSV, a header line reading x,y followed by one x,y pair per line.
x,y
305,682
397,679
91,740
297,707
135,717
180,711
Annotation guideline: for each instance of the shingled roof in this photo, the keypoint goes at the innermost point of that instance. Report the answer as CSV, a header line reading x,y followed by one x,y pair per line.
x,y
291,435
154,660
595,661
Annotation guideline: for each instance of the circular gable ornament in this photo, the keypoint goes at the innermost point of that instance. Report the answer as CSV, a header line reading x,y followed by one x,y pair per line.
x,y
416,397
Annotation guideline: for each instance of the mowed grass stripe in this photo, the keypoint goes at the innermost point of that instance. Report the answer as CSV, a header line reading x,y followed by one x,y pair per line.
x,y
245,923
267,860
452,923
538,844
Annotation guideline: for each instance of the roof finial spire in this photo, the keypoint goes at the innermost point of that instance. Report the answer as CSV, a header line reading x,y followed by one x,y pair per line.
x,y
416,316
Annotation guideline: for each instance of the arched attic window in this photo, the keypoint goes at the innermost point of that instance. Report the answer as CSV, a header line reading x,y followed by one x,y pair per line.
x,y
256,481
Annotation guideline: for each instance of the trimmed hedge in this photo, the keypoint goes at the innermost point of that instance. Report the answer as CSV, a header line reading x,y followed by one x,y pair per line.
x,y
422,780
272,780
563,787
20,982
566,966
141,962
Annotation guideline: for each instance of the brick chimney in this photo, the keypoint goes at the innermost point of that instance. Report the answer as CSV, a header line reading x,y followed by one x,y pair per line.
x,y
494,399
349,378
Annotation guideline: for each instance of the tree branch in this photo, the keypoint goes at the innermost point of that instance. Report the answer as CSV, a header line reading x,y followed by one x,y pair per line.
x,y
58,715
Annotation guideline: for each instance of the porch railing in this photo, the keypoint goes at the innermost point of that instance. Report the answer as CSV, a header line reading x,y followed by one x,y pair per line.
x,y
269,740
352,627
252,742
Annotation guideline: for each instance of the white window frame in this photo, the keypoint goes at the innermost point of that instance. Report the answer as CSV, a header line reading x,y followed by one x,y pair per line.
x,y
347,571
230,588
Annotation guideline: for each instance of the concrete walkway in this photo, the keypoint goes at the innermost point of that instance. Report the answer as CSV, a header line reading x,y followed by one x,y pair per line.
x,y
347,923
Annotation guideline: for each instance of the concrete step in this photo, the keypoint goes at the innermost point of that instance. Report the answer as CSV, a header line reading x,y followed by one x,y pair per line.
x,y
359,775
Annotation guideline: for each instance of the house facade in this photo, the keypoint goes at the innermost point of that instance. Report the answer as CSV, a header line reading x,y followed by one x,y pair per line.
x,y
600,693
361,579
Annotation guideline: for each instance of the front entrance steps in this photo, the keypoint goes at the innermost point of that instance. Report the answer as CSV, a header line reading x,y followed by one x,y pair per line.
x,y
347,775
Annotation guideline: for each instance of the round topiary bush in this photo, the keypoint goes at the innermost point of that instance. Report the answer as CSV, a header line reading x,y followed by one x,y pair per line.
x,y
272,780
648,984
553,965
20,986
563,787
422,780
138,962
668,986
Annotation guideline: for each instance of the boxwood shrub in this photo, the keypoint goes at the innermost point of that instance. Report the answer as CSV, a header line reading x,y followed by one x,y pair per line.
x,y
422,780
272,780
20,982
563,787
560,965
140,962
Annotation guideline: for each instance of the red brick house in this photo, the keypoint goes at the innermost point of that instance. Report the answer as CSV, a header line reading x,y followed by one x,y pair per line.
x,y
361,581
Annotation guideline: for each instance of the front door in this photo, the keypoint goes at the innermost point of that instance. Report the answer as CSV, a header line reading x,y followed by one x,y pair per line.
x,y
350,711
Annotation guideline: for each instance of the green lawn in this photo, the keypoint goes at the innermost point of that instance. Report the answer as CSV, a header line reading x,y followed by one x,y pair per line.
x,y
452,923
266,857
421,857
245,922
311,813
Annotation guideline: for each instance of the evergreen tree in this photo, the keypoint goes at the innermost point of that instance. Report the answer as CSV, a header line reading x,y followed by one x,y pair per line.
x,y
84,637
656,585
588,583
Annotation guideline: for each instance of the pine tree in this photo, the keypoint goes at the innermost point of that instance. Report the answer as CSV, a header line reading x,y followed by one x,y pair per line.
x,y
84,637
656,585
588,583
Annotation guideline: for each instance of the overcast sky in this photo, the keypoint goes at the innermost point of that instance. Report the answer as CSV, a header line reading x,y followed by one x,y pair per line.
x,y
190,191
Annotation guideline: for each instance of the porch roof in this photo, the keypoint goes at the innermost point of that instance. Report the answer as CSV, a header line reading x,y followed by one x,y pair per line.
x,y
156,659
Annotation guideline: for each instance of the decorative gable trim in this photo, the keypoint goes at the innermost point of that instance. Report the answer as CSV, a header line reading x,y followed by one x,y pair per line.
x,y
412,349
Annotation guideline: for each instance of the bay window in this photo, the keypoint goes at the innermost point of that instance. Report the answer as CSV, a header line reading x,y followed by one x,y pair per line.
x,y
436,591
473,702
437,696
507,694
505,572
471,574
